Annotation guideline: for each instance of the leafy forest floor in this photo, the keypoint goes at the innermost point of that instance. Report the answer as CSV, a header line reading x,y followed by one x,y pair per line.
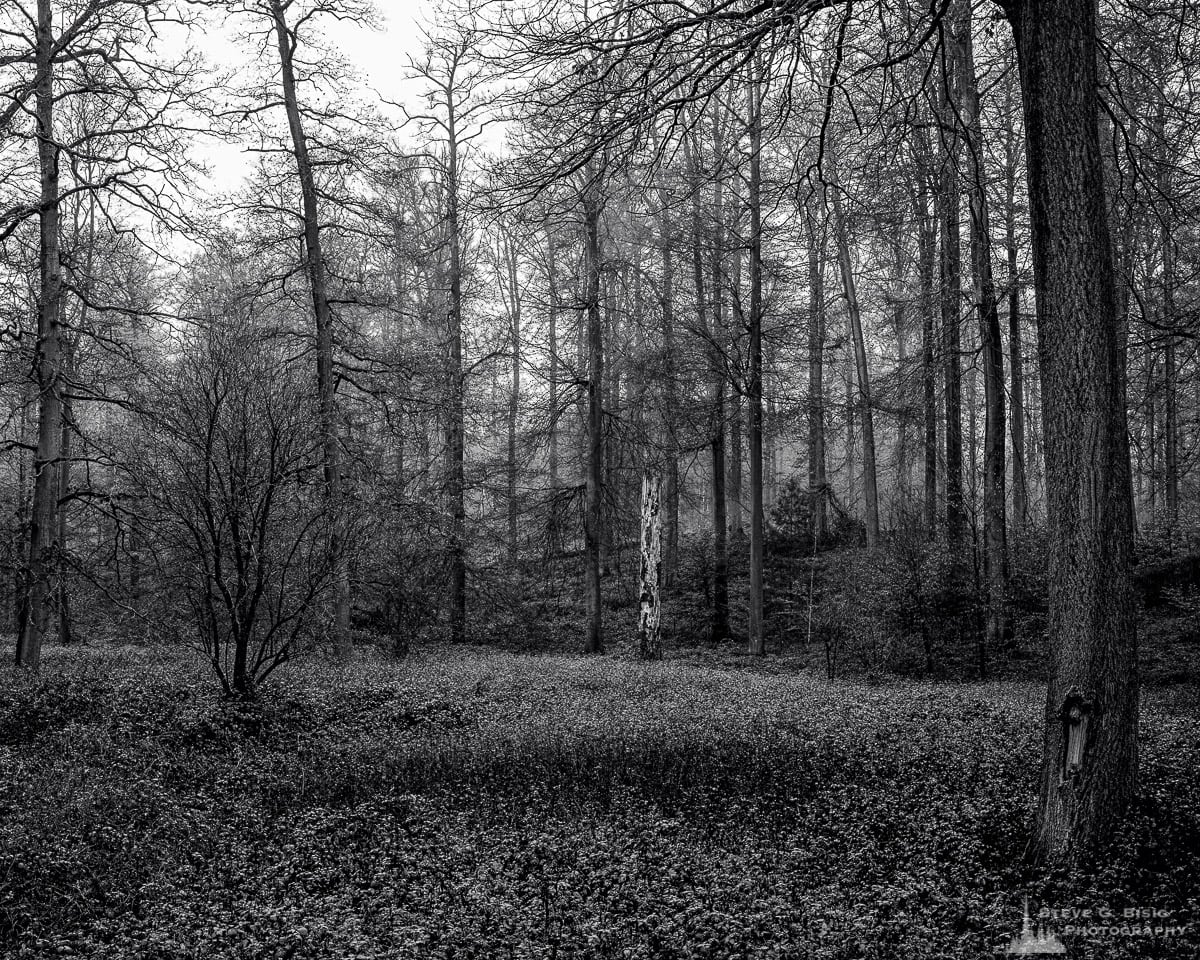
x,y
473,803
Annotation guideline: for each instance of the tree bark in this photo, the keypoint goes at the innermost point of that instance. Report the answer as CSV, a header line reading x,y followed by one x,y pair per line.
x,y
594,492
927,226
455,417
65,634
863,375
318,287
1016,360
720,611
1167,322
649,634
817,480
998,627
671,390
951,277
43,523
1089,761
754,386
514,400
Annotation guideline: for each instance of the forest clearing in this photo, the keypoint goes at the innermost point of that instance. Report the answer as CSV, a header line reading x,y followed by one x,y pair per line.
x,y
599,478
468,802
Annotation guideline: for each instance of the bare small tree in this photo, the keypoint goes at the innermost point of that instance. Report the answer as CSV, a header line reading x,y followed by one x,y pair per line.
x,y
230,468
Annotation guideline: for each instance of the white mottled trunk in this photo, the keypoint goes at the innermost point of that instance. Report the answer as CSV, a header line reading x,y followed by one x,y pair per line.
x,y
649,601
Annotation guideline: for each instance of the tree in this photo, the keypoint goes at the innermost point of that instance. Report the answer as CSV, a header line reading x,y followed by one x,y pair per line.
x,y
227,462
593,517
995,540
287,41
1089,757
862,390
649,631
754,387
105,126
43,527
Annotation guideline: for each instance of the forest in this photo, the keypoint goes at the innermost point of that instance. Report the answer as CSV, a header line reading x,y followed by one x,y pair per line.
x,y
660,479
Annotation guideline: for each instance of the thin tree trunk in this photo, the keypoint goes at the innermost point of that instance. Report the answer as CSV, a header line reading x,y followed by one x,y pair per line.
x,y
1167,323
21,512
754,387
863,398
455,425
1016,361
720,611
1089,765
926,257
610,400
317,280
593,508
514,400
671,392
998,627
817,480
951,276
555,531
899,323
65,635
733,485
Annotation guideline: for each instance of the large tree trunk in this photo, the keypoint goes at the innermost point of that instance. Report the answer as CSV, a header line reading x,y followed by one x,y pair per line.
x,y
754,386
649,634
594,491
43,525
318,287
998,627
1090,749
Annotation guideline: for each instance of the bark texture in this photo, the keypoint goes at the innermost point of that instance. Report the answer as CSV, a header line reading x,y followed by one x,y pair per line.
x,y
649,633
1093,693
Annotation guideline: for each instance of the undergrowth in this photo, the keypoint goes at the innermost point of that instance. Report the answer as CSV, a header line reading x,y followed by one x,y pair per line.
x,y
466,803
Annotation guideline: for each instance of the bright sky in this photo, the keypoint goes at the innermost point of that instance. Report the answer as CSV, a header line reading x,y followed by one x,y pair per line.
x,y
381,57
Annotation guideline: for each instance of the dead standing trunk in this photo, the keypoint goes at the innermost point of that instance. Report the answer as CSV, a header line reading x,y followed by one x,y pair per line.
x,y
649,633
